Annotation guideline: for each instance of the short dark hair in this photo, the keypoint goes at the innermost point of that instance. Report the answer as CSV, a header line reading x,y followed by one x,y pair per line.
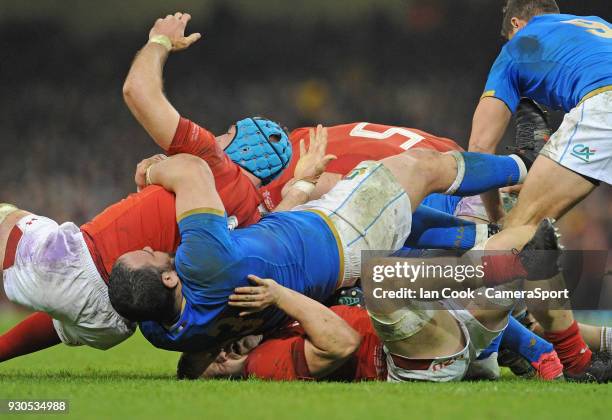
x,y
140,295
525,9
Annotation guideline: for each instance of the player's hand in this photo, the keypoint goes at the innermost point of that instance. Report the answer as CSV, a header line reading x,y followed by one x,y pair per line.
x,y
264,293
141,170
173,26
313,161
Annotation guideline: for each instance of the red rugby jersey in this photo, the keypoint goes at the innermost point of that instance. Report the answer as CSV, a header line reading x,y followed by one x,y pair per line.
x,y
240,197
354,143
281,356
148,218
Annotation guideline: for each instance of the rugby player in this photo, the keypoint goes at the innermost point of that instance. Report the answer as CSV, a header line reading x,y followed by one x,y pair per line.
x,y
181,302
340,343
349,143
563,62
62,270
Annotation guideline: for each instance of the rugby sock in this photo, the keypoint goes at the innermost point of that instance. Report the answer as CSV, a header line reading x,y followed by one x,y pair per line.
x,y
434,229
493,347
500,269
479,172
571,348
34,333
520,340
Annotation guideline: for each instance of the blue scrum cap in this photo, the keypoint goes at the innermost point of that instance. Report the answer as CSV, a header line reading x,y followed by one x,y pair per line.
x,y
252,149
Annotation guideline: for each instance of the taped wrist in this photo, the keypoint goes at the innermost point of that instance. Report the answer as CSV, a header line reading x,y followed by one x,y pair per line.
x,y
162,40
305,186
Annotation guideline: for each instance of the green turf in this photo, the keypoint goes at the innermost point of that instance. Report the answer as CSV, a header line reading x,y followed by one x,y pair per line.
x,y
134,380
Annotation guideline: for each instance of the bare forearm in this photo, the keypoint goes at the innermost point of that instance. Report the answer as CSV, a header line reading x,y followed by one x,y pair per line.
x,y
325,330
489,124
144,96
291,198
174,172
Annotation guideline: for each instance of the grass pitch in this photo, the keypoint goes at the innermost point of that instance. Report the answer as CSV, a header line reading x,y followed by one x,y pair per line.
x,y
135,381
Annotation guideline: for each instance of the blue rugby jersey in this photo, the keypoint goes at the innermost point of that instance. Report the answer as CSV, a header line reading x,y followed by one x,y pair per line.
x,y
556,59
297,249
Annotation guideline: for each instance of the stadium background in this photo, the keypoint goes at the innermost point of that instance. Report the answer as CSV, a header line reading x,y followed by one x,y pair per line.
x,y
69,145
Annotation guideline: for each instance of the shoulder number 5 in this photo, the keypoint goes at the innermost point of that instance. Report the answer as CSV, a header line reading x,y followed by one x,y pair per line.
x,y
411,137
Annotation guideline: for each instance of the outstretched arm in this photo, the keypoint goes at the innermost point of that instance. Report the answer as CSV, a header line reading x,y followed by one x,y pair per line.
x,y
488,127
143,89
330,340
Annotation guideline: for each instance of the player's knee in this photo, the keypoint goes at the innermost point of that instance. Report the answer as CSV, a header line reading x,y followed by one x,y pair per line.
x,y
399,324
427,163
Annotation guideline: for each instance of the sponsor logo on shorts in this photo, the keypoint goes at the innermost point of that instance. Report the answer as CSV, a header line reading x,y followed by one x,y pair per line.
x,y
583,152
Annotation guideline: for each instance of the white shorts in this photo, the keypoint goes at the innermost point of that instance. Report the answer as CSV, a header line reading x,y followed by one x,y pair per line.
x,y
583,143
369,210
447,368
472,207
53,272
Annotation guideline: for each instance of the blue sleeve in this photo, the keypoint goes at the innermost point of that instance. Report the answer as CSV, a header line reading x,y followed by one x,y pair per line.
x,y
503,81
205,249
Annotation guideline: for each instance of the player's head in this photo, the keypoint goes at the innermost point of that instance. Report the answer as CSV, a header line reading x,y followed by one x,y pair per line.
x,y
143,286
260,146
517,14
230,362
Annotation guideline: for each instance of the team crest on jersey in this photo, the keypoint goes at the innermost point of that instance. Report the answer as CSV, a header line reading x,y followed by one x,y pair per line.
x,y
583,152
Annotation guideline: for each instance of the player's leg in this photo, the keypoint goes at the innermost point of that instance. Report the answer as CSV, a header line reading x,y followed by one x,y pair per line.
x,y
537,351
423,346
578,153
34,333
48,268
422,172
598,338
9,216
435,229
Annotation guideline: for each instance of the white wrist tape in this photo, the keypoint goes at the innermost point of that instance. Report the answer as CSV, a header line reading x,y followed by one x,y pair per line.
x,y
162,40
305,186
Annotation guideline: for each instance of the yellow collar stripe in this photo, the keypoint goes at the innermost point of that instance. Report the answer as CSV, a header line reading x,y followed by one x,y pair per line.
x,y
201,210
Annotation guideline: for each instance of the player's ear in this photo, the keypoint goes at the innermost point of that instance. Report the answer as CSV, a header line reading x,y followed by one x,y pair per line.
x,y
518,23
170,279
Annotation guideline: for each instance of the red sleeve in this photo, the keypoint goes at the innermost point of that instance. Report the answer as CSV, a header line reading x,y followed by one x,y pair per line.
x,y
279,359
192,139
240,197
